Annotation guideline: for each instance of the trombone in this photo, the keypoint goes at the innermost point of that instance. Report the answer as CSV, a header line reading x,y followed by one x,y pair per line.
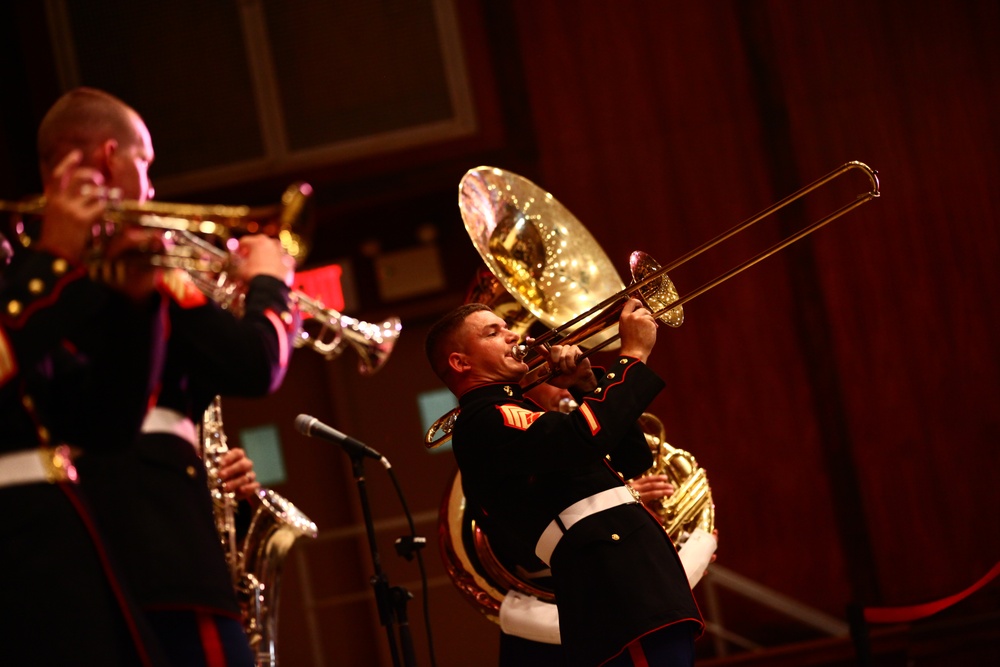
x,y
650,282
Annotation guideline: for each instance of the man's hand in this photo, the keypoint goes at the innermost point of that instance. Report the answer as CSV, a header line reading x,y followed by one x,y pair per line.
x,y
73,204
237,474
570,370
638,330
263,255
652,488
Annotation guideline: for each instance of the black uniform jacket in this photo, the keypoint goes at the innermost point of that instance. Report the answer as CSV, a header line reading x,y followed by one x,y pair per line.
x,y
616,574
78,364
165,535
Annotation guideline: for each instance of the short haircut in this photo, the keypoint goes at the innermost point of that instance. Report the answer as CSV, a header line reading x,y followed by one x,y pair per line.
x,y
82,119
441,340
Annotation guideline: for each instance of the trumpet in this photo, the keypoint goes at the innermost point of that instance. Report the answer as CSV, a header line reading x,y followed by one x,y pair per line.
x,y
495,206
221,223
372,342
324,330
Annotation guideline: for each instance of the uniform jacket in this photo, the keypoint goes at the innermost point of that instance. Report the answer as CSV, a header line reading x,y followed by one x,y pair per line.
x,y
616,574
78,365
165,536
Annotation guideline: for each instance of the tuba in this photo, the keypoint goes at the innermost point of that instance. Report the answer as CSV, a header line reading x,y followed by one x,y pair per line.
x,y
544,259
255,563
490,574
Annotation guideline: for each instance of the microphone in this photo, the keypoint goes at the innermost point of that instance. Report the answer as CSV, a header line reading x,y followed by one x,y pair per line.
x,y
313,427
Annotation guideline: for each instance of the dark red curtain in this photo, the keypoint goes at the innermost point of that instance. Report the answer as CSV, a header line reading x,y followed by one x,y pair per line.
x,y
842,395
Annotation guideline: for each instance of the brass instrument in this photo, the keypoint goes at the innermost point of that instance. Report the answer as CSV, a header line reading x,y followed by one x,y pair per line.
x,y
254,564
529,243
485,571
324,330
328,332
219,223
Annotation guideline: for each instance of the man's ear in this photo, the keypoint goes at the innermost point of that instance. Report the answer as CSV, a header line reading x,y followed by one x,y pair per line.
x,y
458,362
105,155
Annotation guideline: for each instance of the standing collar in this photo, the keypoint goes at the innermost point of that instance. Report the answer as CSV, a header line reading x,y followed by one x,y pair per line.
x,y
505,391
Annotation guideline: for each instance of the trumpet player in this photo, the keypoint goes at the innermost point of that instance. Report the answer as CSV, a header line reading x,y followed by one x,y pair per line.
x,y
543,479
79,358
166,536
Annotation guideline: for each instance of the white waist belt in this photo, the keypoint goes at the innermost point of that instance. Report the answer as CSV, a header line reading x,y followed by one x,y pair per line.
x,y
603,500
165,420
37,465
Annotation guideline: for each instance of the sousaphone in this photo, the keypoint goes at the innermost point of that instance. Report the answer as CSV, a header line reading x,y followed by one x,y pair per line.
x,y
541,262
513,589
541,265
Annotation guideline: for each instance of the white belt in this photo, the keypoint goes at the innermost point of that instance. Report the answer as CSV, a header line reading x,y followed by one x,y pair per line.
x,y
165,420
603,500
33,466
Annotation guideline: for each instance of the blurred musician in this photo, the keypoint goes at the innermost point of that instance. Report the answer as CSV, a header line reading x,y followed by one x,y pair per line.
x,y
79,359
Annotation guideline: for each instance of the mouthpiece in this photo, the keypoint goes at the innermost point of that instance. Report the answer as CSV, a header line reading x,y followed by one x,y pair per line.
x,y
519,352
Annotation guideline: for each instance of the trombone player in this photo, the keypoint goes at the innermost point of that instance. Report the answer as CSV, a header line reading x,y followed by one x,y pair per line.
x,y
542,477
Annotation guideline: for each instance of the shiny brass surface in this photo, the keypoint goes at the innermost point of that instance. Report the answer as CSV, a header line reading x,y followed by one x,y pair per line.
x,y
691,505
328,332
515,226
255,564
287,221
541,254
483,574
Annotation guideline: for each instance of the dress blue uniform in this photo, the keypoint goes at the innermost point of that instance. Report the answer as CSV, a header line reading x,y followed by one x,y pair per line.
x,y
78,362
554,482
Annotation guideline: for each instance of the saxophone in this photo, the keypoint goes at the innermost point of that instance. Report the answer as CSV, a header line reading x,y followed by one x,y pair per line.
x,y
255,564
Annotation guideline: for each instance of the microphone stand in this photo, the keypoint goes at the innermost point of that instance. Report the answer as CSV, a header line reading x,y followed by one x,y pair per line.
x,y
391,601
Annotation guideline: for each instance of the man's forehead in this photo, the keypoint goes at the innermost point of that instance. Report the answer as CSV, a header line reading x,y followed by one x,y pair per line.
x,y
482,320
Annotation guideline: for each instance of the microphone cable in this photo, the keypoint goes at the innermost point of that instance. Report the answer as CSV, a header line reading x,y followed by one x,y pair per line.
x,y
415,548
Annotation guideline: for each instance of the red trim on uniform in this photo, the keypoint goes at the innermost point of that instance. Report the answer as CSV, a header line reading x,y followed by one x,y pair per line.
x,y
282,336
637,654
211,643
588,414
698,622
17,322
81,511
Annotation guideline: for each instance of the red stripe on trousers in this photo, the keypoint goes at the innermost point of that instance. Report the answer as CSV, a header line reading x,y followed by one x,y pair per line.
x,y
637,654
215,656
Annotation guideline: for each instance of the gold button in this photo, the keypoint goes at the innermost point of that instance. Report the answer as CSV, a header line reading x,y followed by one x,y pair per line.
x,y
623,361
35,286
615,537
287,318
611,376
59,266
14,307
191,472
598,390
